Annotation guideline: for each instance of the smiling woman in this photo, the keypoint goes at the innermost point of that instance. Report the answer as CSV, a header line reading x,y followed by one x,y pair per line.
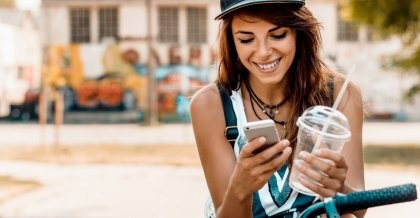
x,y
270,67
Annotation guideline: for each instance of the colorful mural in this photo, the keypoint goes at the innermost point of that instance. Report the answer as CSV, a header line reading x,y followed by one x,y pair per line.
x,y
96,78
176,85
96,84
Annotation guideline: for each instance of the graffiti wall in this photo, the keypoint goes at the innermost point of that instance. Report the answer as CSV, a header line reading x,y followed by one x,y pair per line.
x,y
96,77
105,77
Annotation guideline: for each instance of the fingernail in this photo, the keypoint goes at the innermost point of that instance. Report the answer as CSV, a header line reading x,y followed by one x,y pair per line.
x,y
303,154
318,152
262,139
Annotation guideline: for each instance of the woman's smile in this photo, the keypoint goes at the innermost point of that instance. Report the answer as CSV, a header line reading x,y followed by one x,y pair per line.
x,y
268,66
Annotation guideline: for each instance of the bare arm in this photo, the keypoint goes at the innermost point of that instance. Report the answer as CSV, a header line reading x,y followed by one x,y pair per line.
x,y
353,150
231,182
216,154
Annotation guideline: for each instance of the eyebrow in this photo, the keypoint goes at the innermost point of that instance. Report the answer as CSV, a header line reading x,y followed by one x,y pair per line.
x,y
247,32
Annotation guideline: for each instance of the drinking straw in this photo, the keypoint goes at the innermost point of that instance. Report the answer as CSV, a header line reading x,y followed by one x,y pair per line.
x,y
335,105
341,93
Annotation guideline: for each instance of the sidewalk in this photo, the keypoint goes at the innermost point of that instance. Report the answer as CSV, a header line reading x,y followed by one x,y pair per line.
x,y
131,191
106,191
95,134
374,133
123,190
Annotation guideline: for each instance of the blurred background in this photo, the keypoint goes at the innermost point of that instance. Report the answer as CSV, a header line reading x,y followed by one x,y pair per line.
x,y
94,99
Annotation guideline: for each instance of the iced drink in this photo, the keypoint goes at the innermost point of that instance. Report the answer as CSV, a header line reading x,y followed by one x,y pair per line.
x,y
319,127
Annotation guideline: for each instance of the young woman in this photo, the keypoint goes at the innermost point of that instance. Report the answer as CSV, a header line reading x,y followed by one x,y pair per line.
x,y
269,61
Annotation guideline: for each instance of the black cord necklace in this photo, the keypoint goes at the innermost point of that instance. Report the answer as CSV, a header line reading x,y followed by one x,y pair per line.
x,y
266,108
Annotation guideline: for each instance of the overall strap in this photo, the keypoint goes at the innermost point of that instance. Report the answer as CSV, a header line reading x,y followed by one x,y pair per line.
x,y
331,90
231,131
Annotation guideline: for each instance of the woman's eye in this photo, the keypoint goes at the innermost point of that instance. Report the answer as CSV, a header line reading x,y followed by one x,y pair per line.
x,y
244,41
281,36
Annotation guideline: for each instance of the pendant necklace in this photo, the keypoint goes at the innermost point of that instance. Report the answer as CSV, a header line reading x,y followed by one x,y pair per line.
x,y
269,110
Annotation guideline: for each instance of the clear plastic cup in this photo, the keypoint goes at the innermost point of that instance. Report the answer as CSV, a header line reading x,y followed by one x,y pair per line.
x,y
319,127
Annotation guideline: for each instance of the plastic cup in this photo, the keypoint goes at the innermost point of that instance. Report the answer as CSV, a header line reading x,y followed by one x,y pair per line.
x,y
320,127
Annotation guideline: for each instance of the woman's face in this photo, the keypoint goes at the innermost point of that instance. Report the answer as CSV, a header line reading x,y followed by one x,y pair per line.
x,y
265,49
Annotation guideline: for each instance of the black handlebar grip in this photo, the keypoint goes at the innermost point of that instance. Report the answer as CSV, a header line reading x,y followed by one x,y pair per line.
x,y
377,197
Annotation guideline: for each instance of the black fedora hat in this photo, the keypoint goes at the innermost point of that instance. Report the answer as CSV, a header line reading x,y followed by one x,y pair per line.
x,y
228,6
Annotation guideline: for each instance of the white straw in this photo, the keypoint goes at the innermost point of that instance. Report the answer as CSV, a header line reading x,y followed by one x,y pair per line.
x,y
335,105
343,88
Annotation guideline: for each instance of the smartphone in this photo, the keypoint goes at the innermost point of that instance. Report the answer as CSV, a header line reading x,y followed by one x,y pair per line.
x,y
266,128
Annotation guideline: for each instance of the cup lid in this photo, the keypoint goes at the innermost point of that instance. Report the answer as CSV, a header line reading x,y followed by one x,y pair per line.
x,y
325,121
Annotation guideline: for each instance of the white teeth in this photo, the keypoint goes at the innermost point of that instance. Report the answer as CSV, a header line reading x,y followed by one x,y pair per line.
x,y
268,66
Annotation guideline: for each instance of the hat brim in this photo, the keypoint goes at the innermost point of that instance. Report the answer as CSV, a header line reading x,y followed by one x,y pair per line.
x,y
246,3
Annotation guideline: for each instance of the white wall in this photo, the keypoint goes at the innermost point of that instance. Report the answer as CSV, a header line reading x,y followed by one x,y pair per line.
x,y
132,20
325,12
55,25
29,53
7,43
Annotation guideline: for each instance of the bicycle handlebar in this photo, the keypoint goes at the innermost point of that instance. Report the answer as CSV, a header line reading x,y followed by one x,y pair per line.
x,y
366,199
377,197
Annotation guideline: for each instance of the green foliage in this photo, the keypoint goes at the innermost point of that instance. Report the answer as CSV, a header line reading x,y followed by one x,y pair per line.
x,y
7,3
393,17
412,92
388,16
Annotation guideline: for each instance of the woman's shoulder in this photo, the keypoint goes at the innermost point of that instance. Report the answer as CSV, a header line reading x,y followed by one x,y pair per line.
x,y
352,93
205,96
207,92
340,79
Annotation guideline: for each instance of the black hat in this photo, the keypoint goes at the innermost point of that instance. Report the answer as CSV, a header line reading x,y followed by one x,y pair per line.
x,y
228,6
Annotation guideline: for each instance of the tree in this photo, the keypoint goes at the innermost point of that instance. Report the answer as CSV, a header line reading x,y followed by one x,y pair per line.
x,y
393,17
7,3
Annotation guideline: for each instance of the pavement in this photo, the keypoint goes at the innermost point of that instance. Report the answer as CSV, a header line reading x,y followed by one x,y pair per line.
x,y
123,190
16,134
106,191
30,135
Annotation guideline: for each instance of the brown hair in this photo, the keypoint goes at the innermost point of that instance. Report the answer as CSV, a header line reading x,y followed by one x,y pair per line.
x,y
307,76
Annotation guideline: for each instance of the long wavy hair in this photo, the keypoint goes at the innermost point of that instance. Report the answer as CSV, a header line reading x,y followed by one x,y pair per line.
x,y
307,76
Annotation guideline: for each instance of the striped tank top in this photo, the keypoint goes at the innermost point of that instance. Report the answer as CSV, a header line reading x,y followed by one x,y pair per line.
x,y
275,198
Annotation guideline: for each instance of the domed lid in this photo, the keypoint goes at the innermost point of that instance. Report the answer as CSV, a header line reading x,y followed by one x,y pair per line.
x,y
325,121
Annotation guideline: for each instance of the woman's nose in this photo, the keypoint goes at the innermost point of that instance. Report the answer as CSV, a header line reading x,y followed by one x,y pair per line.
x,y
264,51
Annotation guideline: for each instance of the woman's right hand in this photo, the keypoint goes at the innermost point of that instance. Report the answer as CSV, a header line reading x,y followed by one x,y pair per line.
x,y
252,171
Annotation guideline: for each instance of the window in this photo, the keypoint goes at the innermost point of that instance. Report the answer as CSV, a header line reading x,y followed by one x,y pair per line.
x,y
80,25
347,31
168,24
108,23
182,24
196,25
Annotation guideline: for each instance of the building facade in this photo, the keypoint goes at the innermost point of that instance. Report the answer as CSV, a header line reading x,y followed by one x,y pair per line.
x,y
179,26
20,57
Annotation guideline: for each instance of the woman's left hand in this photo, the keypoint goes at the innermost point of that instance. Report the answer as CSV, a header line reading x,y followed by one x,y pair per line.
x,y
327,168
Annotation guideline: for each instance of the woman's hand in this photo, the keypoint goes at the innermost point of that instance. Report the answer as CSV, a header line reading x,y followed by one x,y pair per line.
x,y
327,169
252,171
